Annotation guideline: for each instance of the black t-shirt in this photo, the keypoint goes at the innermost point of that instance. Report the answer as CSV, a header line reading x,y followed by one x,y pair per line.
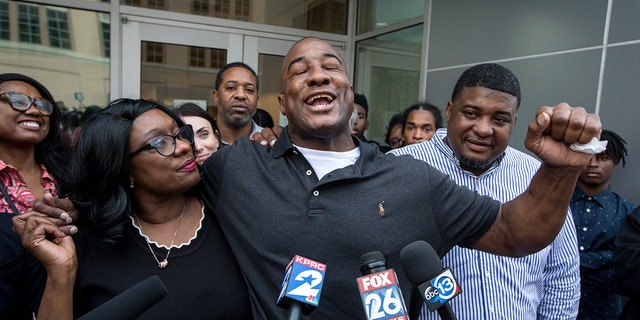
x,y
203,279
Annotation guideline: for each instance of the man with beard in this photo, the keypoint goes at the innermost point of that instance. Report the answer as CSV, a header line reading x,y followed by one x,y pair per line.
x,y
599,213
236,96
473,150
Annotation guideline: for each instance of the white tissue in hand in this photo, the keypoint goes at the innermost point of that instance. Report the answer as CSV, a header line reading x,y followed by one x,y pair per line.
x,y
594,146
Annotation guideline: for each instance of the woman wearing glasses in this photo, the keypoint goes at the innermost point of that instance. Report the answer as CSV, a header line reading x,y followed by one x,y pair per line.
x,y
31,164
30,142
134,180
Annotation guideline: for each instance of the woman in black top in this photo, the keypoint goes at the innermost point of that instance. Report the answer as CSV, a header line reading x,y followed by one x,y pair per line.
x,y
133,181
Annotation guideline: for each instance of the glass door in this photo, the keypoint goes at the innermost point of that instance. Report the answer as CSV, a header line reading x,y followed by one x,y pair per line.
x,y
174,64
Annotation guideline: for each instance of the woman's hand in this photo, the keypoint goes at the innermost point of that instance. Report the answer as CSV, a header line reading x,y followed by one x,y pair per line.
x,y
61,212
47,242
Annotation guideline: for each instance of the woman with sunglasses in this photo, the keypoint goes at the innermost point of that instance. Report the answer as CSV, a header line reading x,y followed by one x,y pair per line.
x,y
31,163
134,182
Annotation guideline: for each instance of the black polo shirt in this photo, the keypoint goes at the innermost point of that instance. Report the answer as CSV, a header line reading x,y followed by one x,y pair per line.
x,y
268,198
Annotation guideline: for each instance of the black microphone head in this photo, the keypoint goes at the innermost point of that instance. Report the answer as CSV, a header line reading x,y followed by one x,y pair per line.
x,y
131,303
372,262
420,262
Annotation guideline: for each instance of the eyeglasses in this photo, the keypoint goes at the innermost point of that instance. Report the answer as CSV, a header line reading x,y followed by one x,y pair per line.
x,y
166,144
395,141
22,102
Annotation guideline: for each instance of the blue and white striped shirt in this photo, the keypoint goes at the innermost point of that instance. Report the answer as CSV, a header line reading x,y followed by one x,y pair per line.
x,y
544,285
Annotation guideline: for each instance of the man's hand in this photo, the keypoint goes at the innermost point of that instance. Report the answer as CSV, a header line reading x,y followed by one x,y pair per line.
x,y
555,128
267,136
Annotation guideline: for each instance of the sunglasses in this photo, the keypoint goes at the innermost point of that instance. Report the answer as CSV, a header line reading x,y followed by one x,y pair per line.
x,y
166,144
22,102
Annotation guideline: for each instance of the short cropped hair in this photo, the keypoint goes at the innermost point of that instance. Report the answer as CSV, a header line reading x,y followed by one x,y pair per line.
x,y
435,111
234,65
361,100
489,75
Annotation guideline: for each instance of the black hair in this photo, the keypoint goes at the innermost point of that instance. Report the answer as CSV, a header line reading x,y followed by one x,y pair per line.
x,y
616,146
52,151
234,65
361,100
489,75
397,119
435,111
263,118
99,183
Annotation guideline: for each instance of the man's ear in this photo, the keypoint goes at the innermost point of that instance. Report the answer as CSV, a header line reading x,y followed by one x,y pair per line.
x,y
281,103
447,111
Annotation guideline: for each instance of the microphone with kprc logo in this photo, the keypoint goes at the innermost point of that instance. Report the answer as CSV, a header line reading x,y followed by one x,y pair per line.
x,y
302,283
379,290
423,267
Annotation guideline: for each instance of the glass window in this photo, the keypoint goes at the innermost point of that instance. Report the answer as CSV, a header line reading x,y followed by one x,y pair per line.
x,y
242,10
221,9
388,74
105,25
200,7
318,15
28,23
173,80
197,57
59,36
152,52
218,58
4,20
77,76
157,4
374,14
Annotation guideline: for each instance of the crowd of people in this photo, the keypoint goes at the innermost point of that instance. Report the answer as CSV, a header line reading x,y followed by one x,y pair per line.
x,y
145,190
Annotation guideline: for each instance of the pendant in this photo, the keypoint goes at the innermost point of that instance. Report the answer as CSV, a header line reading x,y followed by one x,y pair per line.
x,y
163,264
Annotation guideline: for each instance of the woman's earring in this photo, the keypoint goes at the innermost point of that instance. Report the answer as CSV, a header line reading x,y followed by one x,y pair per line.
x,y
131,185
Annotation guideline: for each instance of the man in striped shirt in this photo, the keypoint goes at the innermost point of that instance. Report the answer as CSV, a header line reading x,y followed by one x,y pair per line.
x,y
474,151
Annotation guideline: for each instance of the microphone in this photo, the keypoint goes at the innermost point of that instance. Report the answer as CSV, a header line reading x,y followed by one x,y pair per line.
x,y
423,267
131,303
379,290
301,286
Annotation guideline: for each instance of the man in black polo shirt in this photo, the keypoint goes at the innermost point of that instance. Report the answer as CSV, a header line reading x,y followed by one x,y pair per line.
x,y
318,181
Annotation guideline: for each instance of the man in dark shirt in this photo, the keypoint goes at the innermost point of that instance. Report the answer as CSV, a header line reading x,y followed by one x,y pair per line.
x,y
598,213
318,181
626,258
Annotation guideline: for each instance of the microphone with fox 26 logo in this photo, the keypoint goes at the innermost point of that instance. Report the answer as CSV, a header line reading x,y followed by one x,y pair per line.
x,y
301,286
379,290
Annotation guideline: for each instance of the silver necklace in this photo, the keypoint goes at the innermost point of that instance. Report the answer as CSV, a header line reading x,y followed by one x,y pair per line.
x,y
162,264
